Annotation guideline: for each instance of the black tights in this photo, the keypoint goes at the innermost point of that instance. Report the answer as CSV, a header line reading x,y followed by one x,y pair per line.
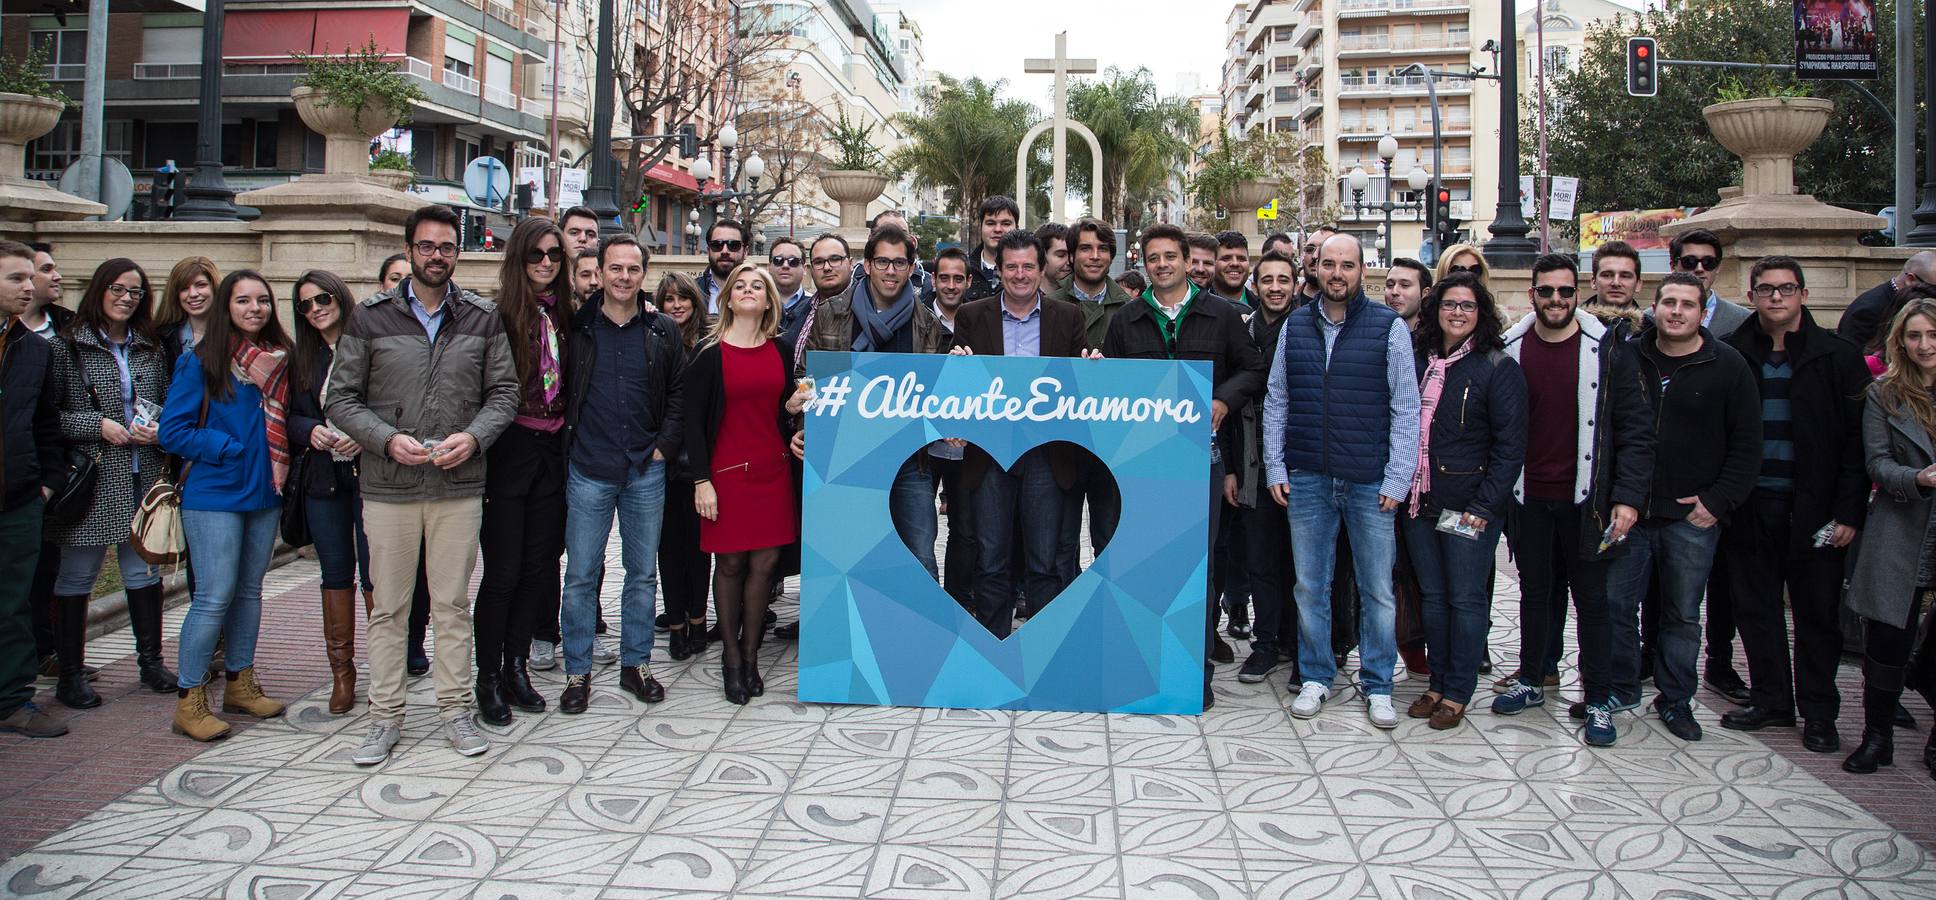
x,y
742,587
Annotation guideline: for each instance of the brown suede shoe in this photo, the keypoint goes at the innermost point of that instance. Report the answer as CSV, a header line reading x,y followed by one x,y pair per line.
x,y
1445,718
193,719
1422,707
243,694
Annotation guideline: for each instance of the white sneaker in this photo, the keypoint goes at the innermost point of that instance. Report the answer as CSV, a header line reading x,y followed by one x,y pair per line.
x,y
1309,700
544,656
1399,672
605,649
377,746
1379,707
461,731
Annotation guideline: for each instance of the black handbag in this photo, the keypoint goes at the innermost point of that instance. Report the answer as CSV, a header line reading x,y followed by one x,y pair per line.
x,y
295,502
80,468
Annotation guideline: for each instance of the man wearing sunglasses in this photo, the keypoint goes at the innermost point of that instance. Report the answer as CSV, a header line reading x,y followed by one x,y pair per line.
x,y
1810,496
726,244
787,263
1698,253
1589,472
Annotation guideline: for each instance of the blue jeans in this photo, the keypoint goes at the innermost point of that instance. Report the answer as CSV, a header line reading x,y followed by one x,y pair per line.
x,y
1452,573
1682,554
1320,505
589,504
231,551
80,566
911,504
1030,490
342,549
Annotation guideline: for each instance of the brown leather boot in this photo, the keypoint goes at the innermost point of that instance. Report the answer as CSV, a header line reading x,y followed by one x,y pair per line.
x,y
369,605
339,642
243,694
192,717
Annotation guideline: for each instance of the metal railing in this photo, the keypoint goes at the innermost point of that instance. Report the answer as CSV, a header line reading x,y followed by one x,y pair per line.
x,y
167,71
500,9
500,97
458,81
261,68
64,71
418,68
1385,42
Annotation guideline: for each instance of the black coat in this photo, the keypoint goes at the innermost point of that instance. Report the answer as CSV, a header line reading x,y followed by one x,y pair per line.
x,y
31,451
1825,403
705,381
1213,330
978,326
1863,318
322,475
665,372
1708,428
1478,435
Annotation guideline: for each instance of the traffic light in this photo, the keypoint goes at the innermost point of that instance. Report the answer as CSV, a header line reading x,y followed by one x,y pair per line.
x,y
1642,65
165,193
688,141
1445,229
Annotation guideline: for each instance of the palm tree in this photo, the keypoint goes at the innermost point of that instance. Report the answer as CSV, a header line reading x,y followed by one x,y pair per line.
x,y
1144,138
962,141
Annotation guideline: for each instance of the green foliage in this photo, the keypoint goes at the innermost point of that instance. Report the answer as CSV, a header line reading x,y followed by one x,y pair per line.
x,y
853,144
1143,136
1223,168
932,231
1762,85
394,160
29,76
962,141
361,79
1653,152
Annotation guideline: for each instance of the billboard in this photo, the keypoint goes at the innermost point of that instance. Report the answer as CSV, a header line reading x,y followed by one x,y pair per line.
x,y
1835,39
1639,227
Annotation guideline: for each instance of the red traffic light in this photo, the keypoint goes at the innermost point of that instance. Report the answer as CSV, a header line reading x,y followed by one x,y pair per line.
x,y
1445,196
1642,51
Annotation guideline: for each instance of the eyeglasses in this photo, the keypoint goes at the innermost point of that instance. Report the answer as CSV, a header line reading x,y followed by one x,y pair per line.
x,y
1545,291
892,265
1469,270
726,245
426,248
323,298
1464,306
819,261
535,256
786,262
117,290
1765,291
1690,262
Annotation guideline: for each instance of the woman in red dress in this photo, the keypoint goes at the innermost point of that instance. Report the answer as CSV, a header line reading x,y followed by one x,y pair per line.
x,y
740,411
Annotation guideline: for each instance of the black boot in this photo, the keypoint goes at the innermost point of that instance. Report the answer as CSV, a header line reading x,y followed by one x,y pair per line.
x,y
755,685
1881,693
70,636
734,683
677,644
490,701
144,611
515,686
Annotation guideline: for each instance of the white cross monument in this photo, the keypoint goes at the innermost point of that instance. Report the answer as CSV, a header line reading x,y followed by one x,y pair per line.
x,y
1062,67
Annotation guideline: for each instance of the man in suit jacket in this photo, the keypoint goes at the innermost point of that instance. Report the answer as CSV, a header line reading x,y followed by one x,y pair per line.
x,y
1019,320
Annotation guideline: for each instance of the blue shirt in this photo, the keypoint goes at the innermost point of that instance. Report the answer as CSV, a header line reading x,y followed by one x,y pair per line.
x,y
616,432
1023,336
430,321
120,354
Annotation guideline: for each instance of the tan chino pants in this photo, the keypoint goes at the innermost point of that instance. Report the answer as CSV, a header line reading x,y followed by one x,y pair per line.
x,y
448,531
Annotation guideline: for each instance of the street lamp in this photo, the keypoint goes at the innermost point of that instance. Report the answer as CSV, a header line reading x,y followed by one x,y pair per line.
x,y
208,197
1360,181
601,188
753,167
1509,247
1924,234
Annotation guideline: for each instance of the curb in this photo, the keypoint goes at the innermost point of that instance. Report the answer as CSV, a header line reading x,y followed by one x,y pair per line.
x,y
109,612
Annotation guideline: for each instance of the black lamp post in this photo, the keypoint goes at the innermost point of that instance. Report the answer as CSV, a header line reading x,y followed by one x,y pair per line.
x,y
601,185
1360,181
1924,234
1509,248
208,197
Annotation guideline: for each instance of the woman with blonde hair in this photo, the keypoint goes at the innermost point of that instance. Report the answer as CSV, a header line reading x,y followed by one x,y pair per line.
x,y
684,569
740,409
1462,258
1897,564
182,310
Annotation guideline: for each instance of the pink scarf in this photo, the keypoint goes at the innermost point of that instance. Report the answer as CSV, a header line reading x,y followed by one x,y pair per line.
x,y
1428,403
268,370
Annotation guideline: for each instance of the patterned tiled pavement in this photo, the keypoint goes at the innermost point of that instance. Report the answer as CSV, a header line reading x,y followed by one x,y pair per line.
x,y
696,797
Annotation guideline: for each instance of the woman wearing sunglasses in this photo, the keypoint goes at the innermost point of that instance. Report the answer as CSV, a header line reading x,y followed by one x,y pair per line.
x,y
523,534
113,377
333,499
1464,258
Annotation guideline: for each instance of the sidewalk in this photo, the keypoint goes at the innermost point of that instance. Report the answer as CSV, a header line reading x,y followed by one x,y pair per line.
x,y
696,797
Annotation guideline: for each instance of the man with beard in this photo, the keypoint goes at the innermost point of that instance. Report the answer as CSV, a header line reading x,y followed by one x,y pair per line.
x,y
958,562
1055,243
584,276
1340,447
1266,530
950,285
1405,287
1233,270
1202,265
787,262
1090,288
919,277
1589,470
726,245
996,217
1875,309
1309,292
46,317
1616,287
1175,321
425,382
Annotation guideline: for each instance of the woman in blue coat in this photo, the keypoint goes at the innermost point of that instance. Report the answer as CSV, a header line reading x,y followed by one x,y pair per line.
x,y
225,419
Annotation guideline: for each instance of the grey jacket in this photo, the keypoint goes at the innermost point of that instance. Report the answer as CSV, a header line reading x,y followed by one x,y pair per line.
x,y
117,495
1895,447
389,379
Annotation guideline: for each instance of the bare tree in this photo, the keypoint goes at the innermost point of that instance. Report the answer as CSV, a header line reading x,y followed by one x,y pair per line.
x,y
790,136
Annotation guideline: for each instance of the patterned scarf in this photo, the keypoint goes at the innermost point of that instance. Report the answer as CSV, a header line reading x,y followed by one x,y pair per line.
x,y
1428,403
268,370
548,367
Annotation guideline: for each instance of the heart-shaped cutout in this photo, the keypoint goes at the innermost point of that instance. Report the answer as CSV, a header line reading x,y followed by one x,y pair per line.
x,y
1005,541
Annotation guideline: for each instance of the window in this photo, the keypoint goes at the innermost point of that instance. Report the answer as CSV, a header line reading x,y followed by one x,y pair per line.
x,y
1284,124
1557,62
1281,64
423,151
58,149
266,134
66,53
1281,33
1284,93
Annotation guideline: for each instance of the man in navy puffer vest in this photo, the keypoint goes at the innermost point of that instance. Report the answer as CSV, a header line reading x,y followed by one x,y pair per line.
x,y
1340,446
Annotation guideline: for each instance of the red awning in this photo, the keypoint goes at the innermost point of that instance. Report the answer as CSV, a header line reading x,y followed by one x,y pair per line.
x,y
344,29
669,175
260,35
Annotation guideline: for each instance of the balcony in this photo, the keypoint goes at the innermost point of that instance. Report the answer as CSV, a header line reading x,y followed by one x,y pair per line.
x,y
499,96
460,82
1312,63
504,11
1350,9
1377,44
1311,107
1366,85
1308,28
64,71
167,71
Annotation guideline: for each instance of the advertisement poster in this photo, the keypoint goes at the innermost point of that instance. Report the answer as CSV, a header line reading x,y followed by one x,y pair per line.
x,y
1639,227
1835,39
1125,636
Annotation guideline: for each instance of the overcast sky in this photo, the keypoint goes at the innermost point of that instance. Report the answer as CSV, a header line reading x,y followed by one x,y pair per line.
x,y
990,38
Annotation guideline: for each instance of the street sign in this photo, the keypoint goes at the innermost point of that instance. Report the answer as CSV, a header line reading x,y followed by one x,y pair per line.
x,y
487,181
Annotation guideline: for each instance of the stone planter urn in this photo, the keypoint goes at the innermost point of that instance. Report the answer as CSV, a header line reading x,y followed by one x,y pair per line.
x,y
23,117
348,133
1767,133
853,189
1248,195
394,179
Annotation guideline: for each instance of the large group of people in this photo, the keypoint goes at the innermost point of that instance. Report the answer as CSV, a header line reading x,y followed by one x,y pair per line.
x,y
1651,461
